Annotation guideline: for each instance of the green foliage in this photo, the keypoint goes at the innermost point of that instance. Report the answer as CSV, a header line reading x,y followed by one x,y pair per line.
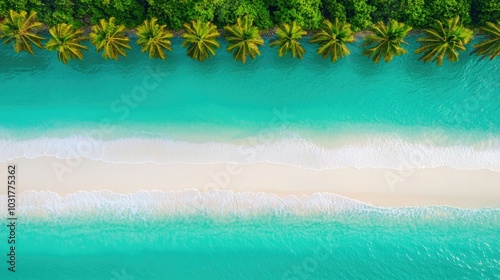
x,y
305,12
222,12
384,9
20,29
63,11
244,39
444,40
169,12
385,40
131,13
358,13
288,40
264,13
19,5
333,9
445,9
200,10
332,39
227,11
109,37
412,12
66,41
490,46
154,38
200,39
483,11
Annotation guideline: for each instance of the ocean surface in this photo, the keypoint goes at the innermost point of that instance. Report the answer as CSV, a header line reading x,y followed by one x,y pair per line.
x,y
310,114
222,235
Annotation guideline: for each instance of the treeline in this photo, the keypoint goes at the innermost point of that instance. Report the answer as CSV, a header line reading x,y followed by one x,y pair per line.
x,y
265,13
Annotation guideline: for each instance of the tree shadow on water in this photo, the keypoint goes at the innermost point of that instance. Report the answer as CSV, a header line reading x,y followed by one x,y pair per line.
x,y
12,62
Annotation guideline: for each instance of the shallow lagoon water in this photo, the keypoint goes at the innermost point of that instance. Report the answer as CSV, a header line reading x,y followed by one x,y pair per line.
x,y
158,96
220,235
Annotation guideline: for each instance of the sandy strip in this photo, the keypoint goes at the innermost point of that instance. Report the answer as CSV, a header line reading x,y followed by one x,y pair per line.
x,y
435,186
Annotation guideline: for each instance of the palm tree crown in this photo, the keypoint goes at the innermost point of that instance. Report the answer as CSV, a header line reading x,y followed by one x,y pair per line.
x,y
154,38
66,41
244,39
386,40
18,27
288,40
444,40
111,38
332,39
491,45
200,38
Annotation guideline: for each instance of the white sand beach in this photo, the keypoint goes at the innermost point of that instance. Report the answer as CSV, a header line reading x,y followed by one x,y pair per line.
x,y
381,187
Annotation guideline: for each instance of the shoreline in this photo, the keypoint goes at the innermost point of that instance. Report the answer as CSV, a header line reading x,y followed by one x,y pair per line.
x,y
441,186
356,151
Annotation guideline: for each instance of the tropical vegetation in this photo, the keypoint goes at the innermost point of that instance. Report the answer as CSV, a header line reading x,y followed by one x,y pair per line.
x,y
333,24
491,45
109,37
244,39
288,40
154,38
20,28
444,40
200,38
66,41
266,13
385,40
332,39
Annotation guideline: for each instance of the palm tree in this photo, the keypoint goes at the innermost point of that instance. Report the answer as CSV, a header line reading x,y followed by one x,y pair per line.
x,y
332,39
200,38
66,41
444,40
386,40
111,38
243,39
154,38
491,45
288,40
18,28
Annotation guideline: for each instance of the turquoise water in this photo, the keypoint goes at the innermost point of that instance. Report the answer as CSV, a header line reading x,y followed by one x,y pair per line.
x,y
139,241
40,94
221,100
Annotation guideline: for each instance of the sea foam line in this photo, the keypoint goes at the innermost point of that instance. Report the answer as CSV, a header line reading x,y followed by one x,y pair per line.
x,y
47,205
373,152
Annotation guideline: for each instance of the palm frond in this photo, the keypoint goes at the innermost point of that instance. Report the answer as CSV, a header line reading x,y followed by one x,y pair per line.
x,y
200,38
332,39
444,41
244,39
66,41
154,38
110,38
288,40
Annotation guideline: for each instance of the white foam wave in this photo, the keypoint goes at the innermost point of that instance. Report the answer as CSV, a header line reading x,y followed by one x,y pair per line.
x,y
218,203
373,152
184,202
